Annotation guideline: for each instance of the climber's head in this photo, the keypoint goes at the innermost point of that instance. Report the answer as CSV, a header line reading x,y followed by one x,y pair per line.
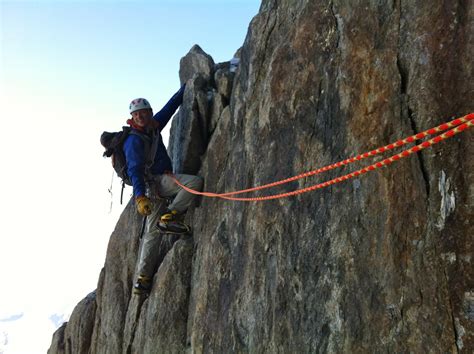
x,y
141,112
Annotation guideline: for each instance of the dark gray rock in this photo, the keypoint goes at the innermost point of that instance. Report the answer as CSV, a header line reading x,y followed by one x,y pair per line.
x,y
115,283
218,104
196,61
196,120
75,335
189,129
224,79
163,321
57,343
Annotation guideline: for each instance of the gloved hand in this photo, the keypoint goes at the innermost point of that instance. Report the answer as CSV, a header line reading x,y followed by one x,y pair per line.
x,y
144,205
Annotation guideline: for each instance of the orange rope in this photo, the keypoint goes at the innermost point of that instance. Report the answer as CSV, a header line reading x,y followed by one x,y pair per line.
x,y
460,125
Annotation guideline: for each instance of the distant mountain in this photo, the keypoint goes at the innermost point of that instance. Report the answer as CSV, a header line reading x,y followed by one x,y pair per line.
x,y
12,318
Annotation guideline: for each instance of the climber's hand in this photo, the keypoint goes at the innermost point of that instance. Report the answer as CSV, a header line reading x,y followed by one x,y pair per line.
x,y
144,205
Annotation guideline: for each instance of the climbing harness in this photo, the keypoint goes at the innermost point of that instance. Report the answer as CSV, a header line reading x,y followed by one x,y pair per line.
x,y
456,126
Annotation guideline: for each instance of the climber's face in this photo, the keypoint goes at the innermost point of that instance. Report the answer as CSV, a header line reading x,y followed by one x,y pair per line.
x,y
142,117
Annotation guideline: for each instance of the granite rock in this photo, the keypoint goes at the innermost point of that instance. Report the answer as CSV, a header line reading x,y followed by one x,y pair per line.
x,y
381,263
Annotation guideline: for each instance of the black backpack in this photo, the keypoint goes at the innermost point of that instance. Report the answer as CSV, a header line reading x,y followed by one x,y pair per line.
x,y
113,144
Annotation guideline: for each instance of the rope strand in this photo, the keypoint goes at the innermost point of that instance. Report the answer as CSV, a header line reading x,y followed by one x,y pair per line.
x,y
460,125
410,139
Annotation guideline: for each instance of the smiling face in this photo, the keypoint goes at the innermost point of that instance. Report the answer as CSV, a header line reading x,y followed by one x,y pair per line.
x,y
142,117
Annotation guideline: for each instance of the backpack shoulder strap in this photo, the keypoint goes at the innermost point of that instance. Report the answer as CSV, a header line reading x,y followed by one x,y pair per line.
x,y
156,138
151,146
147,141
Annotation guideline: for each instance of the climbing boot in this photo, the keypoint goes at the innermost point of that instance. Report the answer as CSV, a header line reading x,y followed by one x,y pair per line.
x,y
171,223
142,286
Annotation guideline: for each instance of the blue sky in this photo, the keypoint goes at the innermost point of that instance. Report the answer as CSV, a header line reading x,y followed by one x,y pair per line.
x,y
124,48
68,72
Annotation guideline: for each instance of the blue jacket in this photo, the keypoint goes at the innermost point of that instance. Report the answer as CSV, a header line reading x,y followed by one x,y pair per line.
x,y
134,148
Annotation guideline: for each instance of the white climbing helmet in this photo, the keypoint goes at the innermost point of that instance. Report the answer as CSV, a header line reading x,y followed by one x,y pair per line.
x,y
139,103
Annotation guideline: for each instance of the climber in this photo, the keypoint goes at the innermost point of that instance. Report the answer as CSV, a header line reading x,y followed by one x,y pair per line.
x,y
148,166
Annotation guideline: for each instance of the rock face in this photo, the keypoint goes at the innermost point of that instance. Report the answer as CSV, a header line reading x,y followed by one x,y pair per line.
x,y
382,263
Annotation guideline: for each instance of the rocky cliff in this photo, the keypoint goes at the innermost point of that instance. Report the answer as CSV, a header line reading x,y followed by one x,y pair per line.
x,y
382,263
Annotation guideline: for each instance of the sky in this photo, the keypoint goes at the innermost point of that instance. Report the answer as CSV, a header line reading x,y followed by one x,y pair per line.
x,y
68,71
